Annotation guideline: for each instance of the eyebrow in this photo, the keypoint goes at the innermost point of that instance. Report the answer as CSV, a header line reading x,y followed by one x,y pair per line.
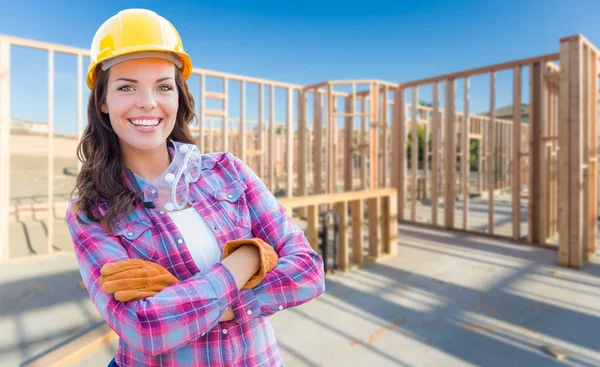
x,y
135,81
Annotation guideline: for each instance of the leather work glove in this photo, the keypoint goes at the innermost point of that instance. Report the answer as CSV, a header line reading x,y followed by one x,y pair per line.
x,y
134,279
268,258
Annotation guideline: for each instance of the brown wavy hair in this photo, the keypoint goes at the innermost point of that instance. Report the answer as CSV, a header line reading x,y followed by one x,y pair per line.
x,y
100,179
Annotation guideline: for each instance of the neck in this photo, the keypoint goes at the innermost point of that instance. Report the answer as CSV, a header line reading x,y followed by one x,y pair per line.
x,y
147,164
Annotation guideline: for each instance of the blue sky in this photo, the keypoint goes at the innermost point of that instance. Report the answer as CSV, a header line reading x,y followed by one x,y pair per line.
x,y
305,42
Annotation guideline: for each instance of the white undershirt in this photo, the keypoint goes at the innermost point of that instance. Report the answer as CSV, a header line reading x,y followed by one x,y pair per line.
x,y
200,240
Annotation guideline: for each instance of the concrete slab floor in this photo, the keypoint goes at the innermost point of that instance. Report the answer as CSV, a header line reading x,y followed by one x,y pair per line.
x,y
447,299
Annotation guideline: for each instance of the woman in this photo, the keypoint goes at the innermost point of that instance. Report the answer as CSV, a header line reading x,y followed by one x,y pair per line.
x,y
185,255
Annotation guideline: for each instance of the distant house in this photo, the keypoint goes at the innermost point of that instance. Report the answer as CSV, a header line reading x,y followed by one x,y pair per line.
x,y
31,127
506,113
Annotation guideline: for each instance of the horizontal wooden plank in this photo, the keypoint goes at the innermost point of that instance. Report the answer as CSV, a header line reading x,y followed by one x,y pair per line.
x,y
214,95
214,112
304,201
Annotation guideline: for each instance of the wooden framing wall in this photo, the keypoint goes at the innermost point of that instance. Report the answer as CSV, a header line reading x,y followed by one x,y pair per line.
x,y
316,154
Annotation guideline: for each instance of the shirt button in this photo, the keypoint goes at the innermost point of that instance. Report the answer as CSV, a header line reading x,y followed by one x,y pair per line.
x,y
130,234
180,241
215,228
229,196
249,312
203,333
162,212
224,331
153,191
280,308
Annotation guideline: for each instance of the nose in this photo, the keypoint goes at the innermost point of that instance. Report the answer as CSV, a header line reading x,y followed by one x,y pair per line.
x,y
146,100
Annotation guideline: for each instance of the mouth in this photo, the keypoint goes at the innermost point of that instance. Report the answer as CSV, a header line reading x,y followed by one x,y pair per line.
x,y
146,122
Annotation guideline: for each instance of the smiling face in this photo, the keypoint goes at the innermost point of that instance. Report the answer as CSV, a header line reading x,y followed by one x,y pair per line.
x,y
141,102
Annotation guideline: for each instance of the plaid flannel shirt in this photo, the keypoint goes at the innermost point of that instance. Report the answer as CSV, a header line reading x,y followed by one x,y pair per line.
x,y
180,325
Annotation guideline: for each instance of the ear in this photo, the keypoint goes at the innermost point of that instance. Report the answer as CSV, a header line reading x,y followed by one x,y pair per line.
x,y
104,108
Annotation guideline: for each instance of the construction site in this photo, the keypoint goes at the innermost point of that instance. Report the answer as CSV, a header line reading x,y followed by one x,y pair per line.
x,y
453,237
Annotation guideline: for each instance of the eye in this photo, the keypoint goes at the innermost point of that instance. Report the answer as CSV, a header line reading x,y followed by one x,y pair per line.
x,y
165,88
126,88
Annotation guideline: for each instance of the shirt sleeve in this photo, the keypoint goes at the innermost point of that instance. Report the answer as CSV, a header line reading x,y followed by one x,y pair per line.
x,y
298,276
170,319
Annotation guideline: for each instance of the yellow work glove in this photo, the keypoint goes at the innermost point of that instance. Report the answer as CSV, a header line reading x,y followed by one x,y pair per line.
x,y
134,279
268,258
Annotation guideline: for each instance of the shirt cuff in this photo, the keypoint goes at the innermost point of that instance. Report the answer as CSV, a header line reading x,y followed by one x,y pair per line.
x,y
223,284
246,307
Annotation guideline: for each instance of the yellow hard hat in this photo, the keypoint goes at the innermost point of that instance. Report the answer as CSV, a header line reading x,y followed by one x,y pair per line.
x,y
136,33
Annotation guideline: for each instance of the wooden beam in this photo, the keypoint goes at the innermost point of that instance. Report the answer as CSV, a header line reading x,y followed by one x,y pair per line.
x,y
450,154
80,103
414,165
435,160
271,174
318,143
538,181
50,220
5,122
261,132
357,210
389,224
313,227
348,145
481,70
465,169
242,123
329,150
374,136
402,134
491,149
342,211
593,154
302,149
224,127
374,228
383,146
516,154
290,143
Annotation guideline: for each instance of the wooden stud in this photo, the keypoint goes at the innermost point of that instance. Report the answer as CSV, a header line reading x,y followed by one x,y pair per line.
x,y
318,142
389,225
491,150
242,124
342,211
537,179
272,154
313,227
593,154
5,122
50,151
302,149
374,228
349,144
357,212
363,145
79,104
289,143
465,169
225,121
329,151
383,146
374,136
450,154
414,154
261,133
402,132
516,154
435,160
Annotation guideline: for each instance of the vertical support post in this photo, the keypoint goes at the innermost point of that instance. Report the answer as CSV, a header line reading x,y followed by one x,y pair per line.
x,y
318,142
329,149
592,153
537,178
374,228
570,135
373,136
349,141
272,177
414,165
450,154
395,142
357,210
435,161
313,227
516,154
242,127
363,144
290,143
383,146
491,150
302,149
389,225
225,125
261,133
79,103
401,98
50,151
5,121
202,106
466,167
342,211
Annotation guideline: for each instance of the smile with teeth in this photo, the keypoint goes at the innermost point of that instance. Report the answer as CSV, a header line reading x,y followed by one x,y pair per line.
x,y
145,122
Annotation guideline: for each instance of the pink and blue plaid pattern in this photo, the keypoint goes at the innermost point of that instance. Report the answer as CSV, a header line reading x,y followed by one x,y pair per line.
x,y
179,326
